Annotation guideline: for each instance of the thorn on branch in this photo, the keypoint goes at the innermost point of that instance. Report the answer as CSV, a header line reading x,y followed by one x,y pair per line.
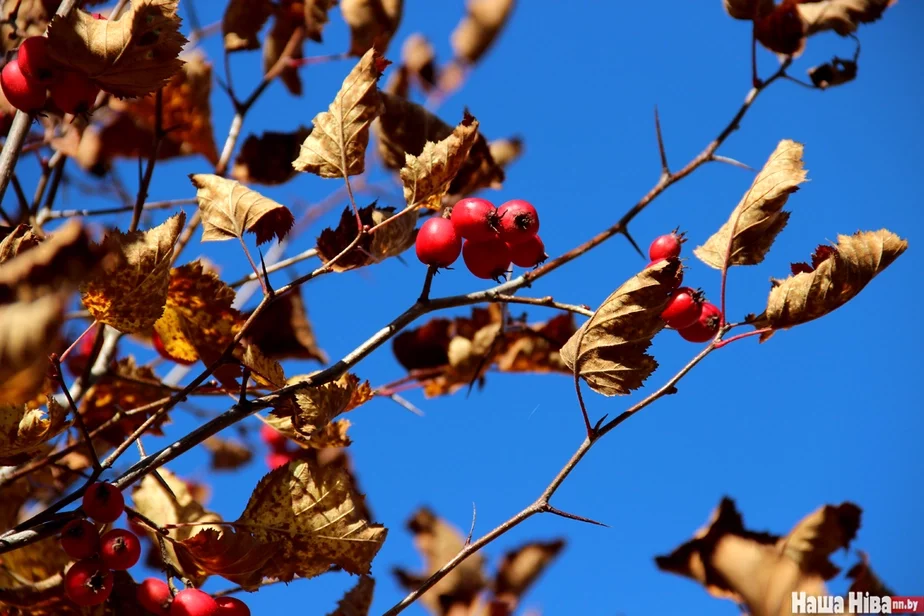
x,y
730,161
625,231
665,169
471,531
547,508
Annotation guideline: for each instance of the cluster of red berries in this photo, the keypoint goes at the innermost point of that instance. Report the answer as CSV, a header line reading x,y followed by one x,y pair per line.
x,y
695,319
280,454
494,237
32,78
89,581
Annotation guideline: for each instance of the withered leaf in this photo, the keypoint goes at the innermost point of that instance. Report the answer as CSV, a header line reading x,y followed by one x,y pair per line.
x,y
480,27
748,9
316,17
227,454
427,176
131,56
337,144
419,59
837,72
267,159
390,240
29,331
331,436
23,18
535,348
609,350
265,371
310,408
372,23
229,209
20,239
131,294
841,16
759,217
242,22
820,534
520,568
33,563
24,429
864,579
237,556
357,600
285,27
506,151
782,30
283,330
856,260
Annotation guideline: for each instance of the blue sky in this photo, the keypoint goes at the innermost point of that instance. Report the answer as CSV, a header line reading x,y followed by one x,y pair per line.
x,y
824,413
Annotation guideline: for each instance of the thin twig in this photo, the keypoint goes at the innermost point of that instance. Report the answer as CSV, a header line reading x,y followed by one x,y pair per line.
x,y
78,419
149,170
153,205
543,301
302,256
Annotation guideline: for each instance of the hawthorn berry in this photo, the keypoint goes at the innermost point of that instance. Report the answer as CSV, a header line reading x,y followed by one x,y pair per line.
x,y
22,92
120,549
519,221
678,280
154,596
193,602
276,440
683,308
103,502
73,92
230,606
79,539
705,327
528,253
666,246
163,352
437,243
88,582
33,60
488,260
276,459
475,219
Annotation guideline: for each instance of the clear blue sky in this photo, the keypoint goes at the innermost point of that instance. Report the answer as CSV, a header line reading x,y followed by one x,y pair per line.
x,y
821,414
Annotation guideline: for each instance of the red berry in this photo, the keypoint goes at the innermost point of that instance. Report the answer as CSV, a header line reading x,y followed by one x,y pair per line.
x,y
666,246
276,440
103,502
488,260
163,352
79,539
706,327
529,253
519,221
33,60
99,16
154,596
683,308
229,606
120,549
475,219
193,602
23,93
437,243
88,582
276,459
679,278
76,360
73,92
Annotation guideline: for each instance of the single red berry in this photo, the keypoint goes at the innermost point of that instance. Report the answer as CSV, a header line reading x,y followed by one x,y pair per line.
x,y
666,246
706,327
528,253
120,549
519,221
88,582
73,92
488,260
437,243
678,280
22,92
276,459
79,539
276,440
230,606
163,352
99,16
683,308
103,502
193,602
154,596
33,60
475,219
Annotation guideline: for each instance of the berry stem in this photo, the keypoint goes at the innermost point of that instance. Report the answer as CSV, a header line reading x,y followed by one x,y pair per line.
x,y
428,282
756,332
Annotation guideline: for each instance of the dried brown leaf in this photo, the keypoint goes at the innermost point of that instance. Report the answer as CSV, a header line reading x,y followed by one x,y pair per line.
x,y
837,72
535,348
782,30
285,27
24,429
759,217
506,151
131,294
748,9
609,350
229,209
864,579
820,534
237,556
126,387
427,177
316,17
841,16
31,19
480,27
131,56
265,371
372,23
227,454
419,59
519,569
337,144
389,241
267,159
283,331
311,408
242,22
19,240
29,331
357,600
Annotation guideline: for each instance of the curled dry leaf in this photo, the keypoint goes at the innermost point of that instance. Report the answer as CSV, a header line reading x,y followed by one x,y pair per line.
x,y
535,348
389,241
748,9
226,454
837,72
311,408
759,217
24,428
609,350
395,237
283,330
480,27
265,371
506,151
438,542
229,209
267,159
841,16
427,176
419,59
287,28
820,534
357,600
372,23
131,56
519,569
242,22
19,240
130,295
331,436
336,147
316,17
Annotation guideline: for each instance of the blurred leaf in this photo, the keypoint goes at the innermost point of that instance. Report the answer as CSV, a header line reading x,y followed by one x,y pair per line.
x,y
226,454
242,22
20,239
427,177
316,17
285,26
283,330
29,332
519,569
24,429
229,209
506,151
371,22
31,19
820,534
357,600
837,72
267,159
841,16
864,579
480,27
418,58
782,30
748,9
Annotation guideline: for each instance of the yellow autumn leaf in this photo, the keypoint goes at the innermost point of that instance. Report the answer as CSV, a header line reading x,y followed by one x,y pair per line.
x,y
427,176
310,408
229,208
265,371
24,429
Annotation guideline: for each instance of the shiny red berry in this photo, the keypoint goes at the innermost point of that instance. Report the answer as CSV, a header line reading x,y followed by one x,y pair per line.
x,y
88,582
79,539
666,246
706,327
529,253
274,438
678,280
193,602
103,502
683,308
22,92
231,606
120,549
33,60
488,260
475,219
154,596
519,221
73,92
438,243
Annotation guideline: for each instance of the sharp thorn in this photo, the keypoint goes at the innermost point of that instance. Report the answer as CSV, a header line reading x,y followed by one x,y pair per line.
x,y
732,162
665,170
572,516
633,242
